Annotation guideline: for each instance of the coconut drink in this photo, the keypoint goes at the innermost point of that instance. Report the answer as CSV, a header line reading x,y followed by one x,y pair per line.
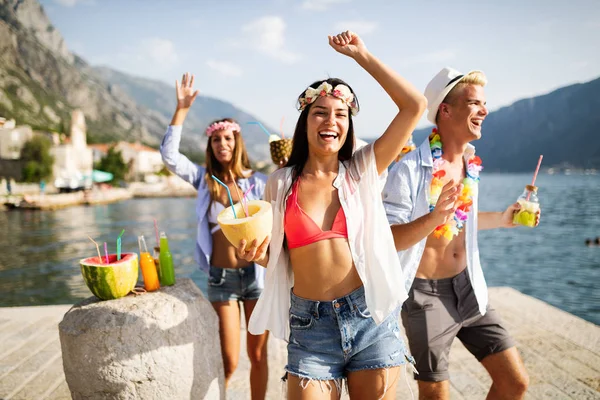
x,y
257,225
111,280
280,149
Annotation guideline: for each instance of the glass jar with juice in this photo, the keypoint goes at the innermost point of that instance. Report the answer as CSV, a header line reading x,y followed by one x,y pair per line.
x,y
530,206
167,271
151,281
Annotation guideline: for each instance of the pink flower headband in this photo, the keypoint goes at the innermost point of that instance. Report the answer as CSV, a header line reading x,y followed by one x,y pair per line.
x,y
222,126
341,92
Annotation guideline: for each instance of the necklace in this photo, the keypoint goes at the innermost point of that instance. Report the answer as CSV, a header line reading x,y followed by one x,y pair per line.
x,y
465,200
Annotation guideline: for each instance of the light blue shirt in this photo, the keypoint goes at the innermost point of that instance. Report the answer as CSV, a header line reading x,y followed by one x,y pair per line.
x,y
195,175
406,198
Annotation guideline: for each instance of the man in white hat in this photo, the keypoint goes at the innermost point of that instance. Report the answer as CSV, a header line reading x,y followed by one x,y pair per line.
x,y
431,203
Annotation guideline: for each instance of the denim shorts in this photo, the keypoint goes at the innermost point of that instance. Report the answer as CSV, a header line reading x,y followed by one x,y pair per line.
x,y
328,339
227,284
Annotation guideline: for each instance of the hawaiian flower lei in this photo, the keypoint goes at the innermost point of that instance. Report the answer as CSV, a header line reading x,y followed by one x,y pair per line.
x,y
221,126
341,92
465,199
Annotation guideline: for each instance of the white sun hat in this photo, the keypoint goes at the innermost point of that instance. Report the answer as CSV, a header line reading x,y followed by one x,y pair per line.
x,y
439,87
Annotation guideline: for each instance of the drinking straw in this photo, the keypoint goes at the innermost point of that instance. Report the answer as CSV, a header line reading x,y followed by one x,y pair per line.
x,y
245,201
106,253
228,194
142,241
281,127
248,191
156,232
238,193
261,125
119,244
537,169
97,248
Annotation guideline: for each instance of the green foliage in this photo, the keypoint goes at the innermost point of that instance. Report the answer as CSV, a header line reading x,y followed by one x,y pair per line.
x,y
37,158
113,162
164,171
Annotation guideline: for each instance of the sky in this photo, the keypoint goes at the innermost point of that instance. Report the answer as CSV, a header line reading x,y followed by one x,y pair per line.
x,y
260,55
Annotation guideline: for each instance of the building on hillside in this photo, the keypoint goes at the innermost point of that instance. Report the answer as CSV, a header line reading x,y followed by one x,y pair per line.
x,y
143,161
73,161
12,139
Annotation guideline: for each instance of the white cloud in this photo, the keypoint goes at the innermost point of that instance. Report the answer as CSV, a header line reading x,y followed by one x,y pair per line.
x,y
73,3
160,51
225,68
362,27
580,65
267,35
321,5
434,58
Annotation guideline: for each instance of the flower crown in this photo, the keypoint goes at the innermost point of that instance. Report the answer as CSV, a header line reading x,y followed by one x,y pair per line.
x,y
341,92
222,126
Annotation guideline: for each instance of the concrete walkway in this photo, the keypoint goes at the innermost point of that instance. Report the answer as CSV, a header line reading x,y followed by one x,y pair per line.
x,y
561,353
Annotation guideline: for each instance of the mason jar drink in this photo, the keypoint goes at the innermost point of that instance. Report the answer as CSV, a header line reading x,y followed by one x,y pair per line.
x,y
530,206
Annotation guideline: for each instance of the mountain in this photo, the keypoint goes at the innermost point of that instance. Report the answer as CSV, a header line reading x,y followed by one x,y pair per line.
x,y
160,97
41,82
561,125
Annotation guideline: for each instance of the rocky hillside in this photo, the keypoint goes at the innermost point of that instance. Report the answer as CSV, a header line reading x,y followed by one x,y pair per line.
x,y
160,97
41,82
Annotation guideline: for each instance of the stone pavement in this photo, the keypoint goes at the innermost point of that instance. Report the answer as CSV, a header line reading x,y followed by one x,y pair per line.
x,y
561,353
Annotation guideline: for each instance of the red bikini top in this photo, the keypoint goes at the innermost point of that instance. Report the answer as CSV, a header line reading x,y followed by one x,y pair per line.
x,y
301,230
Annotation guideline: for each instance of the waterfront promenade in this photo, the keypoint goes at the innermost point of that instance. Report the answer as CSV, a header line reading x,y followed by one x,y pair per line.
x,y
561,352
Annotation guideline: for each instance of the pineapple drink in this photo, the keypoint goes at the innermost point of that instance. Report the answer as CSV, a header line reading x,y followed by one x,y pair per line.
x,y
280,148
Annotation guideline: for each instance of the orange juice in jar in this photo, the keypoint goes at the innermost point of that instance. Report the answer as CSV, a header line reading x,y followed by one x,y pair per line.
x,y
151,281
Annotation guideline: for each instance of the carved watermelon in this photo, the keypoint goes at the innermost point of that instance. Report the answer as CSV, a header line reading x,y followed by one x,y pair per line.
x,y
113,280
257,226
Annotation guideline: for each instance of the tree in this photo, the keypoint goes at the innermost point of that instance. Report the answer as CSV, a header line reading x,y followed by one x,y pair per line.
x,y
38,160
113,162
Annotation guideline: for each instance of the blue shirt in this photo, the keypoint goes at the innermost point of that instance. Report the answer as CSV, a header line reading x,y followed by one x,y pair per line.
x,y
195,175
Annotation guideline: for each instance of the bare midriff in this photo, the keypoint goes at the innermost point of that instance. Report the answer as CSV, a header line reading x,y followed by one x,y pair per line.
x,y
223,253
443,258
324,270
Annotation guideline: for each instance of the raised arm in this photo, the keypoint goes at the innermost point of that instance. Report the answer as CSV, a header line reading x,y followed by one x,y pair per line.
x,y
411,103
169,148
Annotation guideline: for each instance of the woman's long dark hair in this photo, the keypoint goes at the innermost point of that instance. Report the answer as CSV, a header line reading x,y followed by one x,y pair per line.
x,y
299,154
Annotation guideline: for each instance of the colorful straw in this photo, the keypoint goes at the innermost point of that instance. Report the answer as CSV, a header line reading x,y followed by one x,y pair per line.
x,y
97,248
245,201
156,232
228,194
119,244
537,169
238,193
106,253
261,125
281,127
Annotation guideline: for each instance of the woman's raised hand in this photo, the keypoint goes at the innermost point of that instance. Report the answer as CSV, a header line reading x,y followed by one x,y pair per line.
x,y
347,43
185,91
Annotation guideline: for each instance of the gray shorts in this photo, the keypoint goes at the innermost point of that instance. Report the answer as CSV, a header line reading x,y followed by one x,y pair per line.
x,y
436,311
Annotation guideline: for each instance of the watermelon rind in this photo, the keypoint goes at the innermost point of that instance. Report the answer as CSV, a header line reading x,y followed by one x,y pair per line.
x,y
110,281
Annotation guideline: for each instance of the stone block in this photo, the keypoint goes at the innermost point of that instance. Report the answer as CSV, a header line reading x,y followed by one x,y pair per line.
x,y
159,345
